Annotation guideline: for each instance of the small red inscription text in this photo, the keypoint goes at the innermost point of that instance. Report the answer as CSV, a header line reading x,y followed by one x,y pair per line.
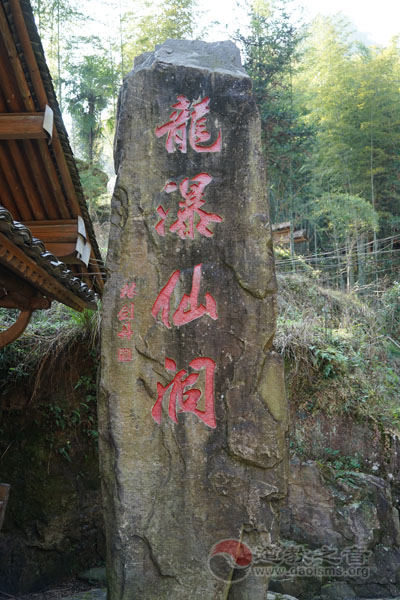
x,y
124,354
128,290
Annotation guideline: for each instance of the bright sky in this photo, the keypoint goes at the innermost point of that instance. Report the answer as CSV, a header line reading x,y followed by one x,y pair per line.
x,y
379,21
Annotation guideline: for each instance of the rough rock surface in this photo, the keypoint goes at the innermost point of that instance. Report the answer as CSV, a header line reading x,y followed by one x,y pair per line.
x,y
174,489
351,510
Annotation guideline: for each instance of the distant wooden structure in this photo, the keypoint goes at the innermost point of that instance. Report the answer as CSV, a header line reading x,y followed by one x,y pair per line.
x,y
281,234
48,250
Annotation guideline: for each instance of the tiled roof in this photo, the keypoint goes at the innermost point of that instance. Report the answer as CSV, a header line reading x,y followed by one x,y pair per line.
x,y
35,249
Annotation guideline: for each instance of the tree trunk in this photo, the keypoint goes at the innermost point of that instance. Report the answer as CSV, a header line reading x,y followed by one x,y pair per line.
x,y
349,266
361,260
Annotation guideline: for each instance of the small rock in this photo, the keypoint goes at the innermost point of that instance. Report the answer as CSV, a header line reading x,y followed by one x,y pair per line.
x,y
94,575
95,594
277,596
339,590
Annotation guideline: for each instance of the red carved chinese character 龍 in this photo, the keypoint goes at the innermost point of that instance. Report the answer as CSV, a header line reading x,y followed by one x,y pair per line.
x,y
198,132
128,290
184,398
192,191
189,308
175,128
124,354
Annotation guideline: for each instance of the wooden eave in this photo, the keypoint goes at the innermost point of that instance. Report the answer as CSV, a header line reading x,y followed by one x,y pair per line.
x,y
39,181
13,259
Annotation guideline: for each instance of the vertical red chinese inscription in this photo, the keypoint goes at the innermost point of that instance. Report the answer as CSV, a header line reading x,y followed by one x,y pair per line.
x,y
126,315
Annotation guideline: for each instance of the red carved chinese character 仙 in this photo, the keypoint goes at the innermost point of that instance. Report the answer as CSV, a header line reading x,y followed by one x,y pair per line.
x,y
189,308
191,212
182,399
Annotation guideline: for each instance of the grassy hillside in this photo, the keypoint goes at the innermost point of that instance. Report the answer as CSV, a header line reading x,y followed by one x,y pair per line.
x,y
342,351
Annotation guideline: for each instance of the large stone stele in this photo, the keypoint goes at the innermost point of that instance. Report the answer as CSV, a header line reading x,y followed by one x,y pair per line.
x,y
172,490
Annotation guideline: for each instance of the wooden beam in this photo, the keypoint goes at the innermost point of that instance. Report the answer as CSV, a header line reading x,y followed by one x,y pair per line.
x,y
14,183
43,101
39,176
18,97
15,300
16,260
59,237
22,166
17,293
16,330
22,126
57,231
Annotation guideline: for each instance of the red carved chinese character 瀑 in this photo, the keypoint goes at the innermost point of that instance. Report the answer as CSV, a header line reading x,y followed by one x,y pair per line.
x,y
198,132
189,308
182,397
126,331
192,191
175,128
127,312
124,354
160,227
128,290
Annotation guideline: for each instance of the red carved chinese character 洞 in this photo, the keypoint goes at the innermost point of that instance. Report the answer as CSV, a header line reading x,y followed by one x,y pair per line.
x,y
124,354
191,216
182,399
126,331
189,308
128,290
175,128
198,132
127,312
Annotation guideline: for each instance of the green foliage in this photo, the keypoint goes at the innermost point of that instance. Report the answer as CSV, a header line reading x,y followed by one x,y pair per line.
x,y
171,19
271,57
77,419
94,183
349,94
342,466
56,20
338,353
50,334
91,85
390,311
348,216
